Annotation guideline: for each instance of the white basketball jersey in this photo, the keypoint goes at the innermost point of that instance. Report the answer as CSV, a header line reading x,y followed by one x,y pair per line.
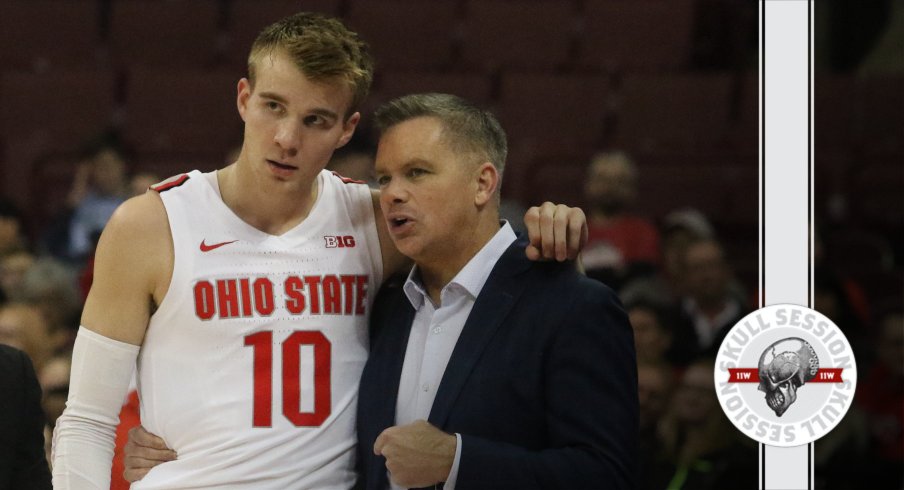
x,y
250,366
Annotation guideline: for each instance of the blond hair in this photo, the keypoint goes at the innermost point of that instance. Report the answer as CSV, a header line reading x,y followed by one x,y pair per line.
x,y
322,48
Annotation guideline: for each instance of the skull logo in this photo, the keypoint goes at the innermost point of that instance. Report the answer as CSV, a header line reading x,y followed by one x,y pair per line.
x,y
784,367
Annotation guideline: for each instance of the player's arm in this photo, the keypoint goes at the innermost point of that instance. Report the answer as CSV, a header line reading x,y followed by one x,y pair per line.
x,y
132,267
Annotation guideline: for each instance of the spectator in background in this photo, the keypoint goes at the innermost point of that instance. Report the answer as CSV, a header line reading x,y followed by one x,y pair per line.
x,y
140,182
880,394
100,186
654,389
50,286
884,58
677,229
844,447
355,161
652,336
24,327
12,243
849,31
12,228
847,290
22,461
13,267
621,244
710,305
699,449
832,298
54,380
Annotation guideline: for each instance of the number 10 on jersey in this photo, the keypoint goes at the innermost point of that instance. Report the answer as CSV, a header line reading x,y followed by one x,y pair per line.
x,y
262,343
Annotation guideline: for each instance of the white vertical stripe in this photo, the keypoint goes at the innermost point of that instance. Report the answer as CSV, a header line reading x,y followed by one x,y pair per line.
x,y
785,181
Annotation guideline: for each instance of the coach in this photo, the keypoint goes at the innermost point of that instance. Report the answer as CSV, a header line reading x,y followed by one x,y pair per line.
x,y
486,370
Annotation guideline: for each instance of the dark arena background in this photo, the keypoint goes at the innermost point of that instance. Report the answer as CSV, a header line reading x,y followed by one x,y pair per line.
x,y
642,112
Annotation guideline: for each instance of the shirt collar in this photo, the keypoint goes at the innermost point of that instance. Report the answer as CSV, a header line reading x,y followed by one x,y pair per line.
x,y
472,276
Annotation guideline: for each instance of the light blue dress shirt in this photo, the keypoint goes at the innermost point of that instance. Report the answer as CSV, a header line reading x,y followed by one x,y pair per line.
x,y
435,331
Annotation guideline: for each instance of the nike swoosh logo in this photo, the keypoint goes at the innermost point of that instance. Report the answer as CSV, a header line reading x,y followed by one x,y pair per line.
x,y
207,248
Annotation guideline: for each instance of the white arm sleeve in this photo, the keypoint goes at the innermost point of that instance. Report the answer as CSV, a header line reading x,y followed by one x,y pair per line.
x,y
85,434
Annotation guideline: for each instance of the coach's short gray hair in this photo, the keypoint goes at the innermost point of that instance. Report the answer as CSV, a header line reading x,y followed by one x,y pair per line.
x,y
467,128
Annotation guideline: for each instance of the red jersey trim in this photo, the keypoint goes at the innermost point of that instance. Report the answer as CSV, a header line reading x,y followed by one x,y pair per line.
x,y
170,183
346,180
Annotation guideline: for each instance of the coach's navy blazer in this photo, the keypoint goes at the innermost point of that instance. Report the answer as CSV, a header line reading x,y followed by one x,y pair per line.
x,y
542,384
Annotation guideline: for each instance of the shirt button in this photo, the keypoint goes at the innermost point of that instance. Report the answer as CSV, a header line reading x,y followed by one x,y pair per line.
x,y
437,329
425,387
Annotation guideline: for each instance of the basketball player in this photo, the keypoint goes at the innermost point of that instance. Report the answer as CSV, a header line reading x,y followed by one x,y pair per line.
x,y
243,294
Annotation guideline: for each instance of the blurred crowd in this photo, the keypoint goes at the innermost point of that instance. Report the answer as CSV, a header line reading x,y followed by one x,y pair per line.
x,y
672,273
681,274
677,283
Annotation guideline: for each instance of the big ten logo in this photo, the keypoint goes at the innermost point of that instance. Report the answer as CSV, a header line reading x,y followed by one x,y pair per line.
x,y
346,241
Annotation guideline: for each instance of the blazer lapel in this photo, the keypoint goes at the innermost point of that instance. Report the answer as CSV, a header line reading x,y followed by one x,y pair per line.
x,y
493,304
392,344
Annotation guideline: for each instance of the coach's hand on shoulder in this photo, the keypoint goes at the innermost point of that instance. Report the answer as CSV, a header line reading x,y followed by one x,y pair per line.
x,y
143,452
417,454
556,232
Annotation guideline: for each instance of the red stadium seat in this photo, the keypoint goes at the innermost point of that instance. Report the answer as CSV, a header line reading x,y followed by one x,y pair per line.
x,y
474,87
554,111
559,179
63,108
880,101
165,165
724,192
625,35
31,33
875,194
528,34
177,33
407,34
745,128
246,18
190,111
49,182
859,252
674,112
20,155
833,113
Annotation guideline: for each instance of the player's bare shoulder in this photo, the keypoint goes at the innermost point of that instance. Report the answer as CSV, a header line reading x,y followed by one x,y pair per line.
x,y
140,225
132,268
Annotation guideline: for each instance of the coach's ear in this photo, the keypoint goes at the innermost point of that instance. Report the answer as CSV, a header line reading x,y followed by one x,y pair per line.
x,y
487,180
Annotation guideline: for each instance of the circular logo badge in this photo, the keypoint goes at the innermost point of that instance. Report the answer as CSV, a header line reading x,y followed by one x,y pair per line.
x,y
785,375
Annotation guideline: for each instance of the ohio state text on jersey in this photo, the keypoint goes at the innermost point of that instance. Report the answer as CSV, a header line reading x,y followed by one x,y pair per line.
x,y
250,366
